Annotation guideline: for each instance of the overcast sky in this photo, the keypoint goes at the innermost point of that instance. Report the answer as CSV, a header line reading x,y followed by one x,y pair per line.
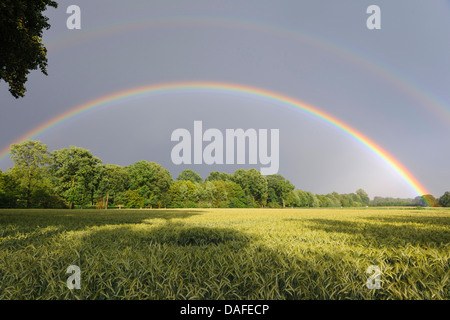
x,y
391,84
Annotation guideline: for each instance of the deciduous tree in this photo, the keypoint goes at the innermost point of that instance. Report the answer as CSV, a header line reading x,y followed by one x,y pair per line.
x,y
189,175
216,175
280,188
21,48
113,179
254,185
30,163
183,194
365,200
75,170
8,191
151,181
444,200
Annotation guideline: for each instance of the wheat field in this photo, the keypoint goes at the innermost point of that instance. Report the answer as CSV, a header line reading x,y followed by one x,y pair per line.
x,y
225,253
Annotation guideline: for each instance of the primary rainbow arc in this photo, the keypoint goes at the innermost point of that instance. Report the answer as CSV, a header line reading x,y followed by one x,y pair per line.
x,y
401,170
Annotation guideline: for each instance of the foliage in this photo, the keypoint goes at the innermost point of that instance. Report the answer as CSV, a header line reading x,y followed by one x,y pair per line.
x,y
151,181
30,171
75,170
363,196
254,185
388,201
189,175
183,194
206,193
444,200
134,199
21,47
426,200
8,191
221,176
305,199
76,178
113,180
279,190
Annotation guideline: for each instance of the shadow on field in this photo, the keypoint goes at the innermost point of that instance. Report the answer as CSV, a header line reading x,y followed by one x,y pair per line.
x,y
79,219
434,219
173,234
384,232
178,261
23,227
173,260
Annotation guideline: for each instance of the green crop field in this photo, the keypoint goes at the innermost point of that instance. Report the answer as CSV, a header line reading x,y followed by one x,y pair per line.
x,y
225,253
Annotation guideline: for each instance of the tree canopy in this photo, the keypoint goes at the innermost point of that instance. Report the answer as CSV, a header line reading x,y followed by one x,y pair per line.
x,y
189,175
21,48
75,170
30,161
73,177
444,200
151,181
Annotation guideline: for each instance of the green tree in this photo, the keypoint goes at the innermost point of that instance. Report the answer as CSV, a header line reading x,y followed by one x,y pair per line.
x,y
254,185
431,200
427,200
332,200
365,200
151,181
222,193
206,193
75,170
21,48
346,200
389,202
313,202
357,202
113,179
189,175
420,202
227,194
30,167
183,194
323,200
8,191
222,176
133,199
236,196
279,189
444,200
300,198
272,199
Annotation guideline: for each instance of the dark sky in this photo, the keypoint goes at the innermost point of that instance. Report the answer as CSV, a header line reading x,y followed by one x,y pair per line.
x,y
390,84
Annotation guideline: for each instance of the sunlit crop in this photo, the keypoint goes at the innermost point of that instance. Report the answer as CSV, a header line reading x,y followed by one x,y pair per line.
x,y
225,254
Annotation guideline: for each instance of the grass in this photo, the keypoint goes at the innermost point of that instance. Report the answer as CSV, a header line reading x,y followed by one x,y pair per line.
x,y
225,253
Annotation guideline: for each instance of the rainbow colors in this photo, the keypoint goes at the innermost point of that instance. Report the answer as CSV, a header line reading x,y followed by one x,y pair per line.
x,y
230,88
413,90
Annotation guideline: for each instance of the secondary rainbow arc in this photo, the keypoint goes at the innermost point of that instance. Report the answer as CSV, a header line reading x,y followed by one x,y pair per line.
x,y
415,91
391,161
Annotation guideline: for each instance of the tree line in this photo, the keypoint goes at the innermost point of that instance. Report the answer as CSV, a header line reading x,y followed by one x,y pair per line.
x,y
74,178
